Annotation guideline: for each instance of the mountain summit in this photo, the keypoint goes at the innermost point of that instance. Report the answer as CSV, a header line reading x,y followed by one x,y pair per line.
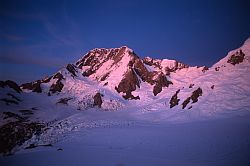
x,y
121,69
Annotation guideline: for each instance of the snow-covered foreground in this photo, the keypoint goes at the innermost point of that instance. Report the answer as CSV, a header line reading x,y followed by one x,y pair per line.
x,y
138,142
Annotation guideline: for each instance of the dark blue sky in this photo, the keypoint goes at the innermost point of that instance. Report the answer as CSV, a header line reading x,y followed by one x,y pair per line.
x,y
39,37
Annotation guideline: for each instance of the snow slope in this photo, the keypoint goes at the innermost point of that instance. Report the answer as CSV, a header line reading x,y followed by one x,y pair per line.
x,y
216,142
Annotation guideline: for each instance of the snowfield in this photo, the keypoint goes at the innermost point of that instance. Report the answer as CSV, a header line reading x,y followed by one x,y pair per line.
x,y
133,142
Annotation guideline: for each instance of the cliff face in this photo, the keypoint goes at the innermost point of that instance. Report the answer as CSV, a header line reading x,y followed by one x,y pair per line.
x,y
121,69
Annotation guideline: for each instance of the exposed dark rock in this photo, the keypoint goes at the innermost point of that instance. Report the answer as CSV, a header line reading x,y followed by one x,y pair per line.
x,y
93,60
88,73
161,82
46,80
194,97
56,87
34,86
190,107
64,100
71,69
90,60
128,84
158,79
98,100
80,63
59,76
236,58
10,84
151,62
157,89
191,85
196,94
143,73
212,87
16,133
178,66
97,57
174,99
129,95
185,103
119,55
217,68
205,68
104,77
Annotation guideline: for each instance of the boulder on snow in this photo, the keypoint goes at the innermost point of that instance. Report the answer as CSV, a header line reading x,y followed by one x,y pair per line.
x,y
98,100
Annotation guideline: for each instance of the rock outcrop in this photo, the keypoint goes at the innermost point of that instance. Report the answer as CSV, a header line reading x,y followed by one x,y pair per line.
x,y
71,69
58,85
33,86
174,99
194,97
236,58
128,84
98,99
10,84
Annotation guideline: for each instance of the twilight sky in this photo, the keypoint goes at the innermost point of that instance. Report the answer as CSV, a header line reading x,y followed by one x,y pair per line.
x,y
38,37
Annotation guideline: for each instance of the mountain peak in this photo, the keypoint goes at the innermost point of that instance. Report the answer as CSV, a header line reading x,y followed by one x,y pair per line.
x,y
108,50
121,70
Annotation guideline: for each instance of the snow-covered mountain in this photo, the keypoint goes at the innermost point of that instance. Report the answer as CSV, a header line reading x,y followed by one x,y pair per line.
x,y
119,80
118,73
